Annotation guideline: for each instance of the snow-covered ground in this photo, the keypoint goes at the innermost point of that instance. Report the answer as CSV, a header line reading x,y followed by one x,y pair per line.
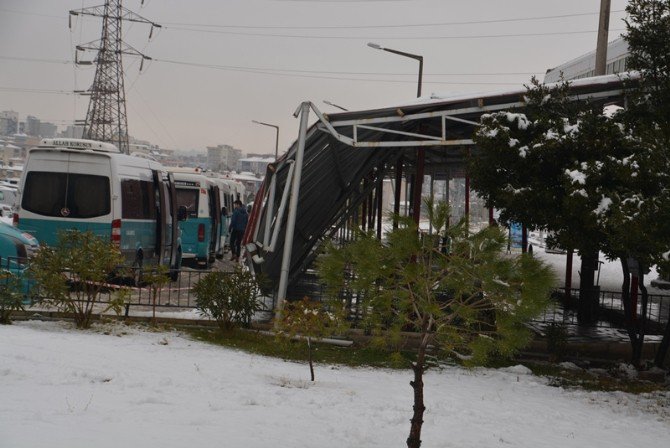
x,y
610,277
132,388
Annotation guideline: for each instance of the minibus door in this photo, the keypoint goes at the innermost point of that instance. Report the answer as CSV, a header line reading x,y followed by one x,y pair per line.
x,y
174,222
161,228
215,213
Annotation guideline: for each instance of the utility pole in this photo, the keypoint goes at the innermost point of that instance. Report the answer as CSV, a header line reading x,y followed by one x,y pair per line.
x,y
106,118
603,31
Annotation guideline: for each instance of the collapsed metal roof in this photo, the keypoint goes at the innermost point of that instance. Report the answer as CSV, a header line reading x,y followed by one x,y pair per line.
x,y
339,151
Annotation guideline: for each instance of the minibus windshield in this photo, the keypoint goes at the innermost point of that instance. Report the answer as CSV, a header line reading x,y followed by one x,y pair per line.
x,y
66,195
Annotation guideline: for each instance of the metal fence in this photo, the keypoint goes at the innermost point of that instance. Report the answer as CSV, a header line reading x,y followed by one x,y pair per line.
x,y
177,294
610,311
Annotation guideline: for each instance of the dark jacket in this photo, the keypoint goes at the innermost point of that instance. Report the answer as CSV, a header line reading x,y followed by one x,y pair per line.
x,y
239,219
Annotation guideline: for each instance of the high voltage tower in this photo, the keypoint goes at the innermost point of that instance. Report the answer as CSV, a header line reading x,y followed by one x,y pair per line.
x,y
106,118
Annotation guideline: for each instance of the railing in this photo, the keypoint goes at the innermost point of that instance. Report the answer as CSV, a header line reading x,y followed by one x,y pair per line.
x,y
179,295
175,295
610,310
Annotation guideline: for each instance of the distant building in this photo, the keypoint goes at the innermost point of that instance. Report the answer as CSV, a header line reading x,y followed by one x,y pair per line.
x,y
32,126
47,130
9,122
73,132
585,65
222,158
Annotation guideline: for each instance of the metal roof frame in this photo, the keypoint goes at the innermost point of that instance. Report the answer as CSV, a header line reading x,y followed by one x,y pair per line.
x,y
333,156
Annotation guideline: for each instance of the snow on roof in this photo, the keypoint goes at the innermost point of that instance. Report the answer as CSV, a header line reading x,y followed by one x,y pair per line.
x,y
248,177
258,159
435,98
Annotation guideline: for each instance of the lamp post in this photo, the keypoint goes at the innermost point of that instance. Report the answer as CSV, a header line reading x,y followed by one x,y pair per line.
x,y
277,137
408,55
335,105
420,152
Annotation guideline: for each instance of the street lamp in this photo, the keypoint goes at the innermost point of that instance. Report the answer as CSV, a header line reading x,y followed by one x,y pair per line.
x,y
277,138
408,55
335,105
420,152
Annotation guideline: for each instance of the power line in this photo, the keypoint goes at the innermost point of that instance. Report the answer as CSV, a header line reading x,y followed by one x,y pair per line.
x,y
411,25
270,69
345,27
290,71
29,13
453,37
31,90
256,71
48,61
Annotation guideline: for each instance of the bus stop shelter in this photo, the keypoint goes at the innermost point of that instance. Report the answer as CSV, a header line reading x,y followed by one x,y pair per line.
x,y
331,178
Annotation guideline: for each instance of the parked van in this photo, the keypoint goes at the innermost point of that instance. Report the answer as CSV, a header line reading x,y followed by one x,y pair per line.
x,y
227,191
198,198
8,195
90,186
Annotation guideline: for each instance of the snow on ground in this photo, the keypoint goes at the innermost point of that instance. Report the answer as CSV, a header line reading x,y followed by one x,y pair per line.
x,y
66,388
610,278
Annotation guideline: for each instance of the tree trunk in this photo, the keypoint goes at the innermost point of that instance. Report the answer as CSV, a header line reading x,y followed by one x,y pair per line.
x,y
663,348
589,294
641,323
309,356
626,301
414,439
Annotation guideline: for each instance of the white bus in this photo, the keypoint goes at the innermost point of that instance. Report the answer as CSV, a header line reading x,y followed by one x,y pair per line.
x,y
91,186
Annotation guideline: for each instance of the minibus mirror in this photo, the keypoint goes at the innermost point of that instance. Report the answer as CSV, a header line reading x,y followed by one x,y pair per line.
x,y
182,213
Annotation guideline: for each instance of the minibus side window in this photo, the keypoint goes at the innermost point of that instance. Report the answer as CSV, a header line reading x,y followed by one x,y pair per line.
x,y
189,199
138,199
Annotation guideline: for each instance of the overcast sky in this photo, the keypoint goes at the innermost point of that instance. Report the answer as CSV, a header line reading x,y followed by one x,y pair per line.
x,y
218,64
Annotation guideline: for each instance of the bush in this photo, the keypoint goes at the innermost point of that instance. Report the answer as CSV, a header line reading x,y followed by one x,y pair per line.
x,y
230,298
72,274
11,298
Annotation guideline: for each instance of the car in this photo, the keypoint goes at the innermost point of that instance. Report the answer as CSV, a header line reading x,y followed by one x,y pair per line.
x,y
16,247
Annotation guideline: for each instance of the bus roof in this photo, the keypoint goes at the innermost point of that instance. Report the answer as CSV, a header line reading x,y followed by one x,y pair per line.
x,y
78,143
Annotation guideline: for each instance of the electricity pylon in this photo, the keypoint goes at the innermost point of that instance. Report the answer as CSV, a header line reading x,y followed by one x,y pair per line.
x,y
106,118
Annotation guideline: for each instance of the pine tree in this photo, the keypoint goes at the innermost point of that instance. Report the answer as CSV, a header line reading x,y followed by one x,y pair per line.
x,y
466,297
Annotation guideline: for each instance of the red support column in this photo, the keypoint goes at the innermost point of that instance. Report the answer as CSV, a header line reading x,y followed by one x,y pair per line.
x,y
364,211
371,210
418,184
467,201
380,197
398,191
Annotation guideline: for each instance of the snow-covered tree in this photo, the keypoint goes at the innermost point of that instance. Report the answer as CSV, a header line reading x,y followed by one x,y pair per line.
x,y
468,298
548,167
597,178
648,118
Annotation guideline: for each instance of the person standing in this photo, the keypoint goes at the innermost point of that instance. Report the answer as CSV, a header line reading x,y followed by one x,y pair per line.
x,y
238,223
